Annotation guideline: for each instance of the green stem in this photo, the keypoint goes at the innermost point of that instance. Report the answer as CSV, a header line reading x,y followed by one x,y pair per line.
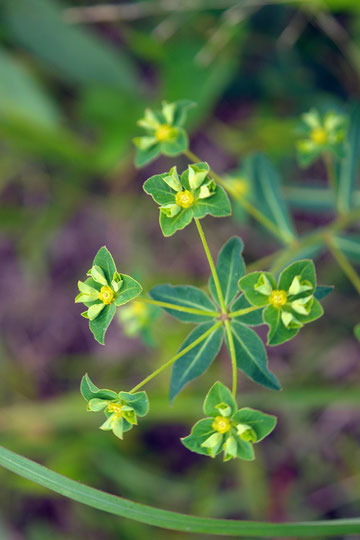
x,y
168,305
243,311
176,357
232,356
343,261
212,265
250,209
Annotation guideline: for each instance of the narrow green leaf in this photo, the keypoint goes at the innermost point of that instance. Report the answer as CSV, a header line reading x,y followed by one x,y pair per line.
x,y
230,268
99,325
217,394
165,519
349,244
185,296
265,182
251,356
197,360
348,168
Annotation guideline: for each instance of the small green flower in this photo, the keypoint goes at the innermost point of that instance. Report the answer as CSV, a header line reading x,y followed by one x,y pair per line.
x,y
164,132
182,198
228,429
121,409
320,135
103,291
290,302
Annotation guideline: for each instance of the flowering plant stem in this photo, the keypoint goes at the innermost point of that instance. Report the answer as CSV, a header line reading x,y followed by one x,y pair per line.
x,y
342,261
212,266
176,357
168,305
232,356
250,209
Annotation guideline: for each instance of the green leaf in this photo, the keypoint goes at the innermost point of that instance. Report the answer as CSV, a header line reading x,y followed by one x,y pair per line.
x,y
163,518
176,146
169,226
254,318
197,360
217,394
265,182
71,51
185,296
130,289
159,190
143,157
218,205
262,423
247,285
348,168
201,431
99,325
305,269
278,333
104,259
251,355
138,401
230,268
322,291
90,391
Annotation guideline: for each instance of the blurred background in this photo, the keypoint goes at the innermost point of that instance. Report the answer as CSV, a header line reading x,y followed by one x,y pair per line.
x,y
74,78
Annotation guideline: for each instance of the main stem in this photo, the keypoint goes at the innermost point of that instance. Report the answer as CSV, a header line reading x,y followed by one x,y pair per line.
x,y
212,266
250,209
343,261
176,357
168,305
232,356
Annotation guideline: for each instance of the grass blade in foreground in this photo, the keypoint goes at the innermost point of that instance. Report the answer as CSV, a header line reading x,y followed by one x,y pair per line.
x,y
163,518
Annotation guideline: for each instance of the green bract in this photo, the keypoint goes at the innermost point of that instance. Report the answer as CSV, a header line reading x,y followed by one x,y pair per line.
x,y
103,291
182,198
320,134
228,429
290,303
164,132
121,409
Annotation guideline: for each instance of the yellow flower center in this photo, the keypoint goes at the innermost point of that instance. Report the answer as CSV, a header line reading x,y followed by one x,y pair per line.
x,y
185,199
319,135
116,410
221,424
163,132
106,295
278,298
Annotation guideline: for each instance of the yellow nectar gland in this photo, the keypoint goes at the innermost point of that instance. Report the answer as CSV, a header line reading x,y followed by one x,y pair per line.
x,y
106,295
221,424
319,135
116,410
185,199
278,298
163,132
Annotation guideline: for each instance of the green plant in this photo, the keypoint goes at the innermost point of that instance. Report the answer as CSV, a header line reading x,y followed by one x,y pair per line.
x,y
285,298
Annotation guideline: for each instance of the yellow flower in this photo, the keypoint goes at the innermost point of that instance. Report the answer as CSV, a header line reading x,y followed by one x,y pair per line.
x,y
164,132
185,199
106,295
221,424
319,135
278,298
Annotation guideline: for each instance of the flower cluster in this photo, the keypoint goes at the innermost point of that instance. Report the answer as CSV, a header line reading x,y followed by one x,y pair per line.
x,y
181,198
121,409
103,291
164,132
320,134
290,302
228,429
